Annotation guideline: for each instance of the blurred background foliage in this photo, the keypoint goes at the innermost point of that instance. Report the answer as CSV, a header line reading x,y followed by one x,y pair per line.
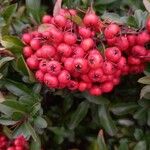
x,y
60,120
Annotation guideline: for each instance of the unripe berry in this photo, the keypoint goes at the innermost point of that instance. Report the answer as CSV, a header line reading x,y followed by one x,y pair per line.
x,y
113,54
53,67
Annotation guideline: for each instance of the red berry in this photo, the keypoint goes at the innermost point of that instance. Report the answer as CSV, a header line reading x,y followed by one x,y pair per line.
x,y
73,85
95,91
80,65
78,52
113,54
70,38
108,68
139,51
95,75
143,38
133,60
32,62
111,31
43,65
27,51
112,41
116,81
87,44
39,76
148,24
85,32
82,86
53,67
85,78
19,148
132,40
95,60
60,21
64,77
122,43
46,19
68,64
48,51
11,148
90,20
26,38
64,50
122,63
50,81
35,44
107,87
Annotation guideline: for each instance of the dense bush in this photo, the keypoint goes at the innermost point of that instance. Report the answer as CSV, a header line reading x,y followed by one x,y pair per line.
x,y
55,119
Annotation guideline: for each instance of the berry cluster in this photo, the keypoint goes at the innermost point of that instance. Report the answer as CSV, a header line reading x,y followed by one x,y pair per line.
x,y
19,143
66,55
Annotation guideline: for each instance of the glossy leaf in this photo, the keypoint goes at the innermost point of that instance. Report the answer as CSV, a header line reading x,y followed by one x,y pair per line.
x,y
4,121
40,122
12,43
5,60
106,120
9,11
79,114
35,145
123,108
96,99
123,144
144,80
145,92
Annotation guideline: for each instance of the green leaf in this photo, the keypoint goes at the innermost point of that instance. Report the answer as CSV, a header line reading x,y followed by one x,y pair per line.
x,y
138,134
99,100
22,129
32,132
126,122
7,122
79,114
132,22
140,114
6,110
123,108
12,43
5,60
16,106
35,145
24,69
40,122
123,144
101,142
76,19
145,92
113,17
148,117
106,120
140,146
103,2
35,108
144,80
8,13
34,10
2,22
140,17
17,88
